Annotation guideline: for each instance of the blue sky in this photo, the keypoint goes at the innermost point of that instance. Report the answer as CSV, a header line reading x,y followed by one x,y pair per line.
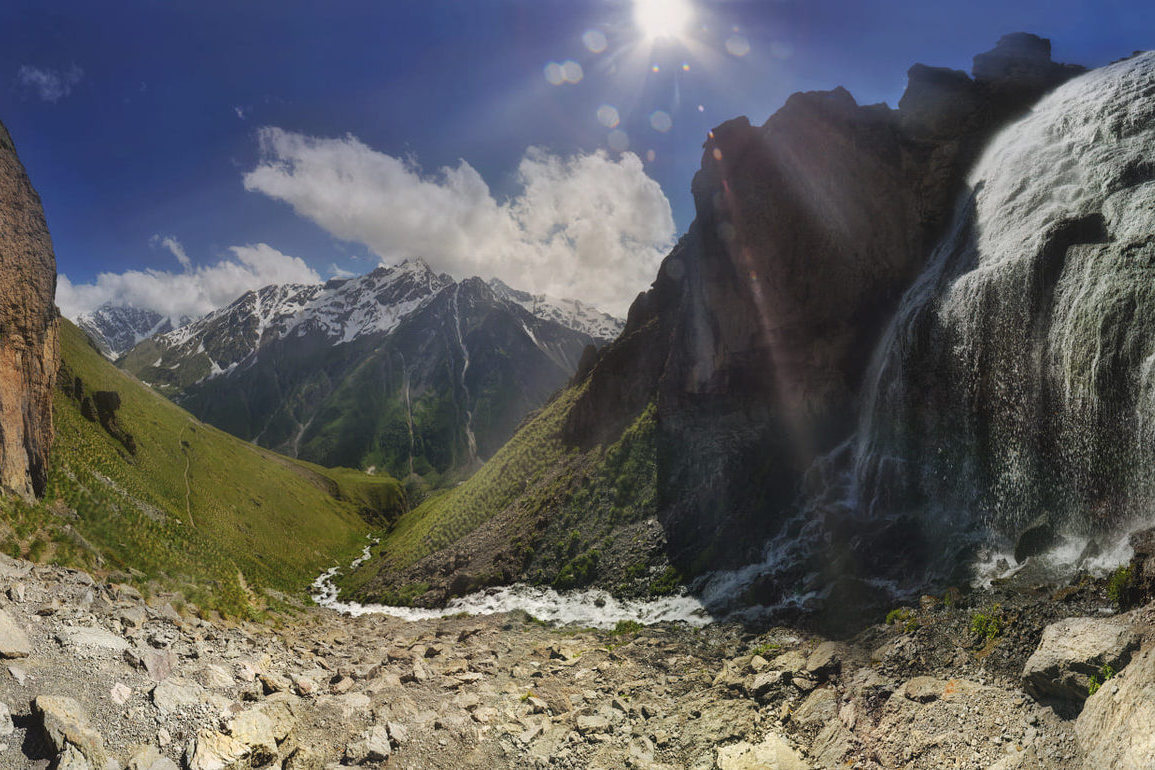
x,y
142,123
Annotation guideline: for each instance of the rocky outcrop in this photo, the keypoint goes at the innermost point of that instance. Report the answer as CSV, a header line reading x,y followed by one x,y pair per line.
x,y
1073,653
757,333
1116,729
29,346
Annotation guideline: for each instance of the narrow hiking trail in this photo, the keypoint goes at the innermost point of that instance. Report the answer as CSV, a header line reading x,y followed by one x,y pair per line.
x,y
187,488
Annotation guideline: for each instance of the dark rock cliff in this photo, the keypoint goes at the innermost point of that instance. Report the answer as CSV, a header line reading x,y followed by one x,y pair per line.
x,y
29,346
756,335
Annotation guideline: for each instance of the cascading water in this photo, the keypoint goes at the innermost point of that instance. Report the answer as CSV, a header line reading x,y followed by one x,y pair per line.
x,y
1017,379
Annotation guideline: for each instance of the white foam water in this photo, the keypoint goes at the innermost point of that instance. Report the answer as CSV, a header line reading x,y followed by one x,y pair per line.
x,y
592,607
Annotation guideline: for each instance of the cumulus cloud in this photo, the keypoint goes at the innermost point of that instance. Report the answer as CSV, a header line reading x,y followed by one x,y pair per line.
x,y
174,247
191,293
49,85
587,226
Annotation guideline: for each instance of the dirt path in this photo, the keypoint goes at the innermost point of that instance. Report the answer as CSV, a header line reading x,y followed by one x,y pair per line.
x,y
187,487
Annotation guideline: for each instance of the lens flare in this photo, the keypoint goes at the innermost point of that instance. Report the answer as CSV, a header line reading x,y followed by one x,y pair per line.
x,y
662,18
594,40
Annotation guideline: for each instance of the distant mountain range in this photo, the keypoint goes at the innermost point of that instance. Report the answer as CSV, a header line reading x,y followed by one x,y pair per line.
x,y
117,328
401,369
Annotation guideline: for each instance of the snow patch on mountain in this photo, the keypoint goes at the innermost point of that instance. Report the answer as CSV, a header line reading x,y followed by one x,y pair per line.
x,y
571,313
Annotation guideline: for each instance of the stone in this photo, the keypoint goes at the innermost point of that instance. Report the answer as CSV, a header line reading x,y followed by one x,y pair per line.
x,y
148,758
211,750
1071,652
6,725
824,662
120,693
820,707
254,730
1117,724
133,617
65,723
790,662
215,677
773,753
1038,537
159,663
14,643
768,682
174,694
73,759
304,758
91,641
592,723
272,683
372,746
398,732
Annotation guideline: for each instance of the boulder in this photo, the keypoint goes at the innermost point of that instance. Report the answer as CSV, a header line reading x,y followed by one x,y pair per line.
x,y
91,641
773,753
174,693
372,746
1117,724
254,730
1071,652
211,750
824,662
148,758
14,643
1039,536
65,724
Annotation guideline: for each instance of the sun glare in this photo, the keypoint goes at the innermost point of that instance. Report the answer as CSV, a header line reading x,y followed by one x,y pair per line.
x,y
662,18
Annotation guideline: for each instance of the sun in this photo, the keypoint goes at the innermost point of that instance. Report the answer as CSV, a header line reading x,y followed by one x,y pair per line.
x,y
662,18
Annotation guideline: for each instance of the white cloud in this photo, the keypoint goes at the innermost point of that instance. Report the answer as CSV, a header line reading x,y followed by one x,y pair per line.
x,y
586,226
240,112
192,293
337,271
174,246
49,85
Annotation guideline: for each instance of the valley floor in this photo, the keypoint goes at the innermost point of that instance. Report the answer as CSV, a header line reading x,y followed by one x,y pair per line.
x,y
145,686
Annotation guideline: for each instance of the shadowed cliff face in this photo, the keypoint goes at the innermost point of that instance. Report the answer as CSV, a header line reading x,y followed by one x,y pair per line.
x,y
757,333
29,348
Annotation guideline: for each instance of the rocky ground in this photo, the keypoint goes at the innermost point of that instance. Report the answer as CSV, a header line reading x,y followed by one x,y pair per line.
x,y
98,677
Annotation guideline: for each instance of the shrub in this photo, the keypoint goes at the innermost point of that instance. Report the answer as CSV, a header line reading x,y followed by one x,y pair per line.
x,y
1119,586
989,624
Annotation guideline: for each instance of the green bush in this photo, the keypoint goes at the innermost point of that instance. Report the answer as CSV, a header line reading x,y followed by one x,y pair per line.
x,y
1119,587
989,624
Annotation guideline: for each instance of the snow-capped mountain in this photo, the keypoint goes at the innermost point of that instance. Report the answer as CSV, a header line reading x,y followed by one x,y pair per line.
x,y
402,368
339,311
117,328
571,313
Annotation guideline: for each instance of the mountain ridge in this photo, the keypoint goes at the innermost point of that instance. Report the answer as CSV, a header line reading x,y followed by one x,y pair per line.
x,y
402,368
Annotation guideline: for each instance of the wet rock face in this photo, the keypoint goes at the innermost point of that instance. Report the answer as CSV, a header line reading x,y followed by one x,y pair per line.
x,y
29,348
757,334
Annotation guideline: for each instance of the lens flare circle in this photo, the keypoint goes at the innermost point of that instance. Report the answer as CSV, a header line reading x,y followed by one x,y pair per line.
x,y
662,18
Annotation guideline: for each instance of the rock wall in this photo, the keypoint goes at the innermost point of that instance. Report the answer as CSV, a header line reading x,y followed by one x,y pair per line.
x,y
29,346
756,335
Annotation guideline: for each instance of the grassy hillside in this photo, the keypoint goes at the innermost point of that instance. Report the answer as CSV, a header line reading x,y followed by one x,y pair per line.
x,y
193,509
560,515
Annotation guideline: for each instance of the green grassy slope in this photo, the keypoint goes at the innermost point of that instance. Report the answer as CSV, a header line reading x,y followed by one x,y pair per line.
x,y
574,507
194,509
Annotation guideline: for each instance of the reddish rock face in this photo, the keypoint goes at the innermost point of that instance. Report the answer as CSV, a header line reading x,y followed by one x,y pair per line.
x,y
29,345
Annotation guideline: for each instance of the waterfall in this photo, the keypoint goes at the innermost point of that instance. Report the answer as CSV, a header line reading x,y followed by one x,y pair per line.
x,y
1017,379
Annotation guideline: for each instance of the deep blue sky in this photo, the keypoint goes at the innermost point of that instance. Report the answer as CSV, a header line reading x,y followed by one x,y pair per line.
x,y
148,140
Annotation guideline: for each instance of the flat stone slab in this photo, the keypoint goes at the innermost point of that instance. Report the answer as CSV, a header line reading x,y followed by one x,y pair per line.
x,y
14,643
92,640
